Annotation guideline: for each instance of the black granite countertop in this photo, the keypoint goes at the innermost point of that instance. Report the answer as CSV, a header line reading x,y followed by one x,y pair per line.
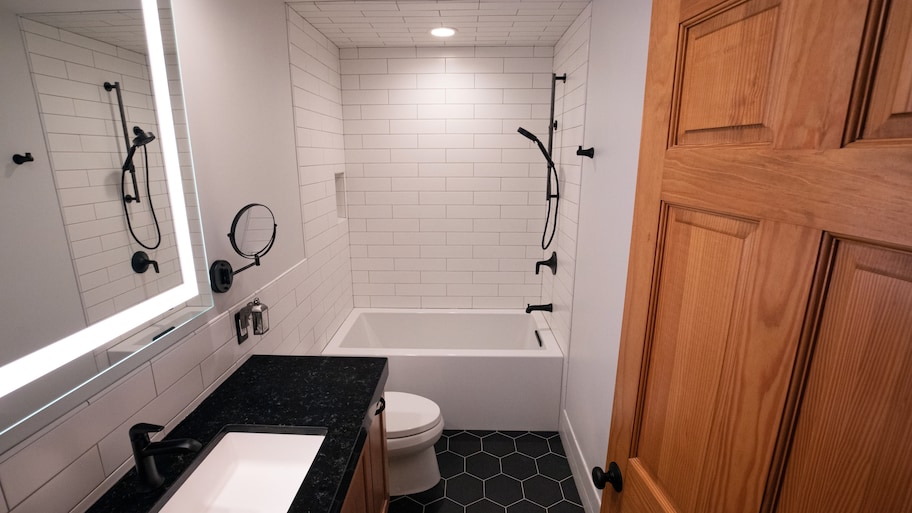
x,y
319,391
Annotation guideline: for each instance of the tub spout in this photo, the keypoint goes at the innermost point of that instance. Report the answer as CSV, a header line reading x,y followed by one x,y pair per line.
x,y
545,308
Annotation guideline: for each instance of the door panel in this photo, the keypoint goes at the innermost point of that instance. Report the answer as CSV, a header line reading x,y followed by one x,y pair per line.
x,y
851,450
726,79
642,493
716,380
890,112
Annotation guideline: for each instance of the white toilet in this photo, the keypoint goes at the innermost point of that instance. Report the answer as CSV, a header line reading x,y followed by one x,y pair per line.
x,y
413,426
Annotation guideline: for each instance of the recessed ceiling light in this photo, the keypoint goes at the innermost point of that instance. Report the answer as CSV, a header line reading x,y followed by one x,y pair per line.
x,y
442,32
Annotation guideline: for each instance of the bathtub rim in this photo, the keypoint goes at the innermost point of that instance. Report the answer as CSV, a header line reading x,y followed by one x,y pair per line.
x,y
549,349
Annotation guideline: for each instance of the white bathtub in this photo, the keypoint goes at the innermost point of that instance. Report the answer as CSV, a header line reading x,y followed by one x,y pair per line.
x,y
485,368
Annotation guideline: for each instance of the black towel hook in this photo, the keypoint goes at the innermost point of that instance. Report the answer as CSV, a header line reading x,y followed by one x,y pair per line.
x,y
22,159
590,152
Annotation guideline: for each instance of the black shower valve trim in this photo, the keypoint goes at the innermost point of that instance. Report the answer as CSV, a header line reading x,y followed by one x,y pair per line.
x,y
589,152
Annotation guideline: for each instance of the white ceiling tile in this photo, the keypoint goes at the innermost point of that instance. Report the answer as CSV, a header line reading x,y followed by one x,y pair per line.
x,y
350,23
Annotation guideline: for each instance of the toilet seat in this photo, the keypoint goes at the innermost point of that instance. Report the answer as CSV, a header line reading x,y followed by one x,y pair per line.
x,y
409,414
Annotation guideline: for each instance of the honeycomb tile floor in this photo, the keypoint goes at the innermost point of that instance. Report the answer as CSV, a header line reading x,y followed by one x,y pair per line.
x,y
497,472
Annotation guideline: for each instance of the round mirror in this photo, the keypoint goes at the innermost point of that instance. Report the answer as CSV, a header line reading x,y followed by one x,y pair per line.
x,y
253,233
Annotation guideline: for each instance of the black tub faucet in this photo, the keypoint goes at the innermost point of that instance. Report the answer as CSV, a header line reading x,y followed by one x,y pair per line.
x,y
144,452
550,263
545,308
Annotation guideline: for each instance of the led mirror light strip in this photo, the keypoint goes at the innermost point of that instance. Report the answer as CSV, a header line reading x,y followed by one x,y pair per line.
x,y
19,373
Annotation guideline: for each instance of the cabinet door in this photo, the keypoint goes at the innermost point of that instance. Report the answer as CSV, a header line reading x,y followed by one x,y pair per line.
x,y
356,498
378,465
369,489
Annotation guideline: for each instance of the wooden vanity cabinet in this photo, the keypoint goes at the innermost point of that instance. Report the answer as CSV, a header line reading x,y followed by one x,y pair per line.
x,y
369,489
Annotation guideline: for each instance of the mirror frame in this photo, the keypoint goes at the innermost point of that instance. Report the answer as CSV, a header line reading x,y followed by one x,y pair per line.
x,y
232,236
29,368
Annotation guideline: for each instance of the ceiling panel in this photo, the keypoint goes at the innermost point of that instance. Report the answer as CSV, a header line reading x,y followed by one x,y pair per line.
x,y
371,23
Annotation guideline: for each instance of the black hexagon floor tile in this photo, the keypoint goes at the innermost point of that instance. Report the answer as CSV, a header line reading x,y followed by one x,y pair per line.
x,y
553,466
542,491
519,466
498,444
464,489
525,507
464,443
497,472
570,492
532,445
482,465
450,464
485,506
444,506
503,490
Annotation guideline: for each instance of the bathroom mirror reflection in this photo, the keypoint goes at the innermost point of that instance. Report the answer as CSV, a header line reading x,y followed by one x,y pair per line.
x,y
112,176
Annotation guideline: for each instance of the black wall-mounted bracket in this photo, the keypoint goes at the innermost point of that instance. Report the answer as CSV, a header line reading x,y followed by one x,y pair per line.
x,y
22,159
550,263
590,152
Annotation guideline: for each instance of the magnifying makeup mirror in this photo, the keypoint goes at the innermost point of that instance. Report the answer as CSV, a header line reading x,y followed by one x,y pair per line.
x,y
252,235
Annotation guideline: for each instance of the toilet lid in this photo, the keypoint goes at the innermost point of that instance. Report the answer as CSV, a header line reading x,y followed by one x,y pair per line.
x,y
409,414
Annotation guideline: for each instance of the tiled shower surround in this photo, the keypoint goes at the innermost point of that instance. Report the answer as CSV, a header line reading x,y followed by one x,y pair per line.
x,y
86,145
445,198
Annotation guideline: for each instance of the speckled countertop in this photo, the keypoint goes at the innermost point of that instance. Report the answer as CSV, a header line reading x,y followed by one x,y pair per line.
x,y
330,392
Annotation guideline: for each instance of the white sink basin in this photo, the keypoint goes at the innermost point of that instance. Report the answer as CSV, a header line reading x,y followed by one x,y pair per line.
x,y
257,470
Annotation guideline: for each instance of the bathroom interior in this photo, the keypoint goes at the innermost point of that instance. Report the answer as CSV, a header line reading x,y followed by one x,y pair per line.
x,y
402,171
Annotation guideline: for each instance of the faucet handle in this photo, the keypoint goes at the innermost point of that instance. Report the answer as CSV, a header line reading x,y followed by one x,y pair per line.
x,y
140,432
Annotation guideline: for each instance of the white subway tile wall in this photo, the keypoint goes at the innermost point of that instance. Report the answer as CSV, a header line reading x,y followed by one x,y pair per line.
x,y
445,199
317,99
571,56
87,149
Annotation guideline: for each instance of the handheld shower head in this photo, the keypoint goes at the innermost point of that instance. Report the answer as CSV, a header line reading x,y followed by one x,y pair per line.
x,y
527,134
530,136
142,138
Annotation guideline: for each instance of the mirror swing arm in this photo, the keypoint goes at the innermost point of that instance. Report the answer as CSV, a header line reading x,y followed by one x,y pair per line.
x,y
221,273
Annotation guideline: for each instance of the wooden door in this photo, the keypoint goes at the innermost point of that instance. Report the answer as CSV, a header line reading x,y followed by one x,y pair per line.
x,y
766,355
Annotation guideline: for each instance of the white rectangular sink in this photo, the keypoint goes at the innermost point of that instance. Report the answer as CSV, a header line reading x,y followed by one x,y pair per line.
x,y
250,471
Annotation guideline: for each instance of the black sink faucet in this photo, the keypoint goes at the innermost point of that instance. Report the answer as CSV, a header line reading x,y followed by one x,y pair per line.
x,y
545,308
144,452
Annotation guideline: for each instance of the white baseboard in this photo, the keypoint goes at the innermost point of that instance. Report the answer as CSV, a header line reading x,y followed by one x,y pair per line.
x,y
589,494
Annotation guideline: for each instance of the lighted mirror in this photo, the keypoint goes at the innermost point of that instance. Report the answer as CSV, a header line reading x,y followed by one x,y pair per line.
x,y
103,256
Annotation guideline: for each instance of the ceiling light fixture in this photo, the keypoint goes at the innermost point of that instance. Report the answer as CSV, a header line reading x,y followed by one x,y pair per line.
x,y
442,32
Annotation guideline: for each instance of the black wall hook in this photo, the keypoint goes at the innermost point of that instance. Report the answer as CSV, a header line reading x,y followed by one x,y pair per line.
x,y
585,153
22,159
